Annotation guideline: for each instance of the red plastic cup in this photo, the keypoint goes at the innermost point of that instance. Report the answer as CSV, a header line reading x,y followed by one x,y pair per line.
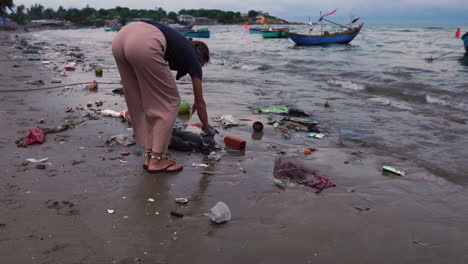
x,y
234,142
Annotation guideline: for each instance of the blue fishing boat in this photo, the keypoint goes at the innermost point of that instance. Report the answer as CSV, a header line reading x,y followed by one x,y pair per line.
x,y
465,41
344,37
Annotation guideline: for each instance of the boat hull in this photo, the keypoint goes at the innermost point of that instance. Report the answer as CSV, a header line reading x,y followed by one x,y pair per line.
x,y
255,30
275,34
339,38
202,33
465,41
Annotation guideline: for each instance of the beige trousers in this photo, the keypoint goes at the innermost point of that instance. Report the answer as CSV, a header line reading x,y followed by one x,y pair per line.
x,y
150,90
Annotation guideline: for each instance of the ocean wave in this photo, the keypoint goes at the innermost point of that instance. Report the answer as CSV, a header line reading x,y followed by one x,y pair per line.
x,y
346,84
390,102
446,101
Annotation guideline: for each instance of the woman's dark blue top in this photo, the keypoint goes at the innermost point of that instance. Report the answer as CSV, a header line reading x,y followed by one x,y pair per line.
x,y
181,54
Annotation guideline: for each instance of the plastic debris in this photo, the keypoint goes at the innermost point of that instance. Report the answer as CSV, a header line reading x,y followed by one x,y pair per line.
x,y
108,112
150,200
177,214
393,170
93,86
214,156
234,142
181,200
220,213
70,66
280,183
37,160
274,110
56,80
293,169
40,166
316,135
122,139
98,71
110,211
227,121
296,112
35,135
257,126
124,153
198,165
38,82
307,152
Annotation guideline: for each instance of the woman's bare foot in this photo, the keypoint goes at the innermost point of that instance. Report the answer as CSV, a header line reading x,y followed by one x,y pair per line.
x,y
158,163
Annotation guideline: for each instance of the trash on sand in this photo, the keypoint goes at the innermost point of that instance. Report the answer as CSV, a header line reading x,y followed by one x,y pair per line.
x,y
122,139
293,169
124,153
326,105
150,200
316,135
184,108
35,135
37,160
99,103
177,214
108,112
227,121
20,142
393,170
307,152
46,62
220,213
56,80
38,82
208,173
257,126
280,183
98,71
63,73
234,142
110,211
214,156
40,166
198,165
181,200
296,112
118,91
274,110
92,86
421,243
70,66
208,138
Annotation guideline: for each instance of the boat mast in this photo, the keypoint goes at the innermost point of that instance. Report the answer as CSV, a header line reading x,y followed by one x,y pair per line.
x,y
321,23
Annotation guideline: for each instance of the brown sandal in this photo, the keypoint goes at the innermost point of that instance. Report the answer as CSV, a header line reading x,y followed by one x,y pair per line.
x,y
166,168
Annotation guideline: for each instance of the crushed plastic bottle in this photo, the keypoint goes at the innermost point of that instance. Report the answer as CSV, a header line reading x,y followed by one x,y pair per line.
x,y
220,213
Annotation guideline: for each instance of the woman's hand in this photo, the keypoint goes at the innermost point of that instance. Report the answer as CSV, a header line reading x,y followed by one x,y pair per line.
x,y
199,106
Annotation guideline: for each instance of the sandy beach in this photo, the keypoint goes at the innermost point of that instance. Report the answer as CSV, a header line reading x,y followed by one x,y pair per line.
x,y
60,214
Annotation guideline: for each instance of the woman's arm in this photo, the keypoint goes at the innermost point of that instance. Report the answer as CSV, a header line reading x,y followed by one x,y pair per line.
x,y
200,105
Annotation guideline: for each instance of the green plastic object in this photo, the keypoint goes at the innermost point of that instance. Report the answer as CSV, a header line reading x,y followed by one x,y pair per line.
x,y
184,108
98,71
275,110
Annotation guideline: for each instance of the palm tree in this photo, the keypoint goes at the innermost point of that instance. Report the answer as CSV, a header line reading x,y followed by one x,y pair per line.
x,y
4,4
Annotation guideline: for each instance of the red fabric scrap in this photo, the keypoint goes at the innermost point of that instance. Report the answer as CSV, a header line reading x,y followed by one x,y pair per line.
x,y
35,135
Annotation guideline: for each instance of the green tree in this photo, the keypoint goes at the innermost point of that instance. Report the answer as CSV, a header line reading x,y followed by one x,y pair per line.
x,y
61,12
173,16
4,5
74,15
252,13
49,13
19,16
36,12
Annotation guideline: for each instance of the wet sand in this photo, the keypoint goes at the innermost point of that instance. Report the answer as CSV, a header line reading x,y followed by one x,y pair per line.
x,y
59,214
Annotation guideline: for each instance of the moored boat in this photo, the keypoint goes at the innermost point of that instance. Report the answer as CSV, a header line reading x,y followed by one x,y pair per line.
x,y
256,30
275,33
343,37
111,29
465,41
196,33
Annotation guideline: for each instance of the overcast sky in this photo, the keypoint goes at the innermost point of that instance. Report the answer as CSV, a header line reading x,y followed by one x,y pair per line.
x,y
385,11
